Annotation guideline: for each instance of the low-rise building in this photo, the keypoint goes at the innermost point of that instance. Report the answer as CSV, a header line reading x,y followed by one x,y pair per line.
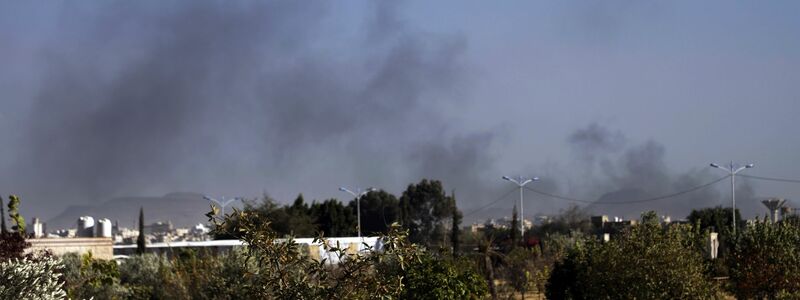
x,y
101,248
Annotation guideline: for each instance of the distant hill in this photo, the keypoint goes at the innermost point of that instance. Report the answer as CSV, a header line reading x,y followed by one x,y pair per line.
x,y
182,209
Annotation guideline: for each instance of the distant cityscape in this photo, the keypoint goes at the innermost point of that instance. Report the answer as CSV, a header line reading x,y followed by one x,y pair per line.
x,y
87,226
162,234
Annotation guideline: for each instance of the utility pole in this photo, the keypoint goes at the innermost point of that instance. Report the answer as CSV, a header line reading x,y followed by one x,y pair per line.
x,y
733,170
521,182
222,203
358,194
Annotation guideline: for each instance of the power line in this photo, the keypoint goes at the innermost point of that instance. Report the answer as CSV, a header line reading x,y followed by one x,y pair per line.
x,y
490,204
695,188
771,178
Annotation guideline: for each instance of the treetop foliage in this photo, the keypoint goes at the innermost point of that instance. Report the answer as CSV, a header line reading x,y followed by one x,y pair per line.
x,y
765,262
646,261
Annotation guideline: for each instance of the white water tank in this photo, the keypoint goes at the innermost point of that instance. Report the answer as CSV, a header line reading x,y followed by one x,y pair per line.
x,y
85,227
103,228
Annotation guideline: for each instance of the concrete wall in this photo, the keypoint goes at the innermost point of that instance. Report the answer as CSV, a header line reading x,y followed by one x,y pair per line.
x,y
101,248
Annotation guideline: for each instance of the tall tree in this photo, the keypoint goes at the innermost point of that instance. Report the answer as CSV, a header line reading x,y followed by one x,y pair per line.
x,y
333,218
13,212
455,231
299,220
514,228
717,219
12,243
140,242
646,261
3,228
764,263
425,207
379,210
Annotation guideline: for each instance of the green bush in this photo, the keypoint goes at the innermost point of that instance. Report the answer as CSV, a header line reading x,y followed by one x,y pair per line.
x,y
644,262
282,270
32,277
86,277
442,278
766,261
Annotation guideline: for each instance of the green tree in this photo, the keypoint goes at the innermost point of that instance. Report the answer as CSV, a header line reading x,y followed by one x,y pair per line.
x,y
297,220
646,261
571,219
514,228
455,231
12,243
716,219
285,220
442,278
425,208
86,278
486,262
520,269
141,244
333,218
379,210
282,270
13,212
765,261
3,228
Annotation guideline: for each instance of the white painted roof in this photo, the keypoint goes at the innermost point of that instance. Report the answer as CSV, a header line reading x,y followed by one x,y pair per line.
x,y
230,243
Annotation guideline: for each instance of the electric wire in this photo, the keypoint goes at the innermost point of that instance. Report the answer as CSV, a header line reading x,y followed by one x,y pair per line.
x,y
490,204
692,189
770,178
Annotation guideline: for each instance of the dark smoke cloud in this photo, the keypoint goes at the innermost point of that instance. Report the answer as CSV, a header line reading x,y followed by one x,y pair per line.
x,y
463,161
219,98
638,172
143,99
595,142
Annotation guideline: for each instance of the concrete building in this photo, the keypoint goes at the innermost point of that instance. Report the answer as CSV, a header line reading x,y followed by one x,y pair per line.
x,y
101,248
603,224
158,228
37,229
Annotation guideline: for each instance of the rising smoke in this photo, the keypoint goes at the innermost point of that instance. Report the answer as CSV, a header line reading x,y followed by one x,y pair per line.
x,y
142,99
634,172
232,99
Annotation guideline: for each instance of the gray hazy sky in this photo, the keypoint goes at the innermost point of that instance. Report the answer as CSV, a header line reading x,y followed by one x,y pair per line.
x,y
615,100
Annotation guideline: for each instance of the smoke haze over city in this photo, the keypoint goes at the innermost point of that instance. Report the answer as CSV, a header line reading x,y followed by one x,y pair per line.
x,y
605,101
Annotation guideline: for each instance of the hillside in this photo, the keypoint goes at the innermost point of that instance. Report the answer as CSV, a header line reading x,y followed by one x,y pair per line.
x,y
183,209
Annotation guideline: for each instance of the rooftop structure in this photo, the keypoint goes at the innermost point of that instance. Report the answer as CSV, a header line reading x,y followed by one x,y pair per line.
x,y
774,205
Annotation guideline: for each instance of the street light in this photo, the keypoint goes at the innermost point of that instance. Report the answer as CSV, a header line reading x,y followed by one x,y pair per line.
x,y
521,182
732,170
358,194
222,203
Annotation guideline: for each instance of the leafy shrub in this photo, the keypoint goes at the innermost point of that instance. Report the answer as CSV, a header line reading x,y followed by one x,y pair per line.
x,y
442,278
282,270
12,245
32,277
86,277
644,262
766,261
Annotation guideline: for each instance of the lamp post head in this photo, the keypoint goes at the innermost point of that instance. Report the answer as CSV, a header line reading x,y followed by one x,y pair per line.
x,y
714,165
749,166
506,178
342,189
372,189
